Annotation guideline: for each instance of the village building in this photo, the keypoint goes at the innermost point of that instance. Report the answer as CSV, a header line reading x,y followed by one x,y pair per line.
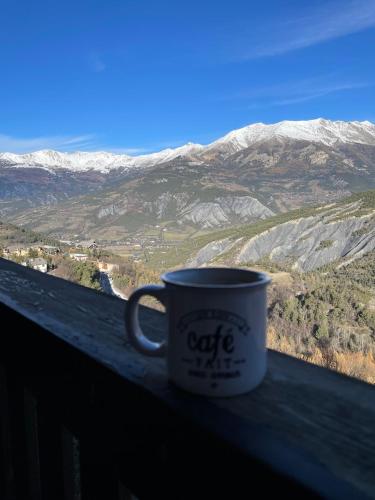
x,y
89,244
81,257
49,249
22,251
107,267
39,264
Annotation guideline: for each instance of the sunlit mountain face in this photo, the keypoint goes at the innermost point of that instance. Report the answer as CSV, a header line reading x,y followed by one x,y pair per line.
x,y
247,175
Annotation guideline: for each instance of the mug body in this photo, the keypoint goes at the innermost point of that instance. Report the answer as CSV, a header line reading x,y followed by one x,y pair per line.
x,y
217,330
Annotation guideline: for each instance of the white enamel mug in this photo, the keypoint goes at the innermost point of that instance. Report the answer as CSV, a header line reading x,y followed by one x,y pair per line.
x,y
216,339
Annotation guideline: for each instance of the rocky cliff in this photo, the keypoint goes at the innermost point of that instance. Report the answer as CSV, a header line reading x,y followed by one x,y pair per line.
x,y
337,232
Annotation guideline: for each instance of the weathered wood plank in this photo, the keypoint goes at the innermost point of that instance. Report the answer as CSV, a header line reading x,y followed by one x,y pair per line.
x,y
50,450
305,422
16,435
32,446
97,472
71,466
7,479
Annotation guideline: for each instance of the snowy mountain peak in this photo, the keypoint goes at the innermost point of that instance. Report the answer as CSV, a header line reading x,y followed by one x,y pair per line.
x,y
100,160
78,161
319,130
167,154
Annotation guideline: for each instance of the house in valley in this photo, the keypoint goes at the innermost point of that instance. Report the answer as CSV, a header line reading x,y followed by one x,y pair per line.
x,y
39,264
82,257
89,244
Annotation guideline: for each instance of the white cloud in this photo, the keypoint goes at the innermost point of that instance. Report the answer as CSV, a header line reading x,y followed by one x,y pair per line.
x,y
127,151
86,142
308,95
296,91
332,20
62,143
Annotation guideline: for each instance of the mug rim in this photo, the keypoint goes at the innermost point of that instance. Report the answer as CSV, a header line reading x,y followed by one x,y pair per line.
x,y
262,278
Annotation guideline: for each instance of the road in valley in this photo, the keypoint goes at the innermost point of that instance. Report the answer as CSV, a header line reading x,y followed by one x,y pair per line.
x,y
107,286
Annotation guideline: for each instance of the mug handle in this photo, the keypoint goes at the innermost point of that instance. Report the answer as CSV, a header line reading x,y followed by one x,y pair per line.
x,y
136,337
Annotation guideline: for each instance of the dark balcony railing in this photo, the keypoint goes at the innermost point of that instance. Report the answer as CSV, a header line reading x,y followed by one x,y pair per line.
x,y
83,416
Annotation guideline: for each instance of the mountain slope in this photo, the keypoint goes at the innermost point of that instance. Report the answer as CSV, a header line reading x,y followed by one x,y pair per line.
x,y
341,231
322,131
271,240
11,236
280,174
245,176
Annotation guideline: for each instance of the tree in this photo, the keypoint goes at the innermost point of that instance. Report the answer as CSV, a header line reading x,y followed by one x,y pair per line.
x,y
322,329
33,253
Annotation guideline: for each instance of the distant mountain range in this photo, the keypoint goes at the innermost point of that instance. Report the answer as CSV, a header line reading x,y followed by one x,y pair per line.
x,y
249,174
322,131
100,161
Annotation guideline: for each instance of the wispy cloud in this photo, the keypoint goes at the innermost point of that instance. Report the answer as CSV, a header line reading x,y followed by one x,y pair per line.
x,y
308,95
61,143
88,142
126,151
96,62
333,19
295,92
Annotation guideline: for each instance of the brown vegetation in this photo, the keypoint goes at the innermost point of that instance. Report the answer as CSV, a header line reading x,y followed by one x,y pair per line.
x,y
327,318
83,273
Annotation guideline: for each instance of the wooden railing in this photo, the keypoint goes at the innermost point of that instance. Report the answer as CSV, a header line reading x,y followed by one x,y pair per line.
x,y
83,416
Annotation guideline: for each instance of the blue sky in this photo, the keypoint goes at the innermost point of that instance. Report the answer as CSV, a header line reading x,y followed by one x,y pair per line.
x,y
141,75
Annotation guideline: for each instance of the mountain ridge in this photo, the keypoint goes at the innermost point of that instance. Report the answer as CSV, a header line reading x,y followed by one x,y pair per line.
x,y
282,174
198,189
320,130
301,240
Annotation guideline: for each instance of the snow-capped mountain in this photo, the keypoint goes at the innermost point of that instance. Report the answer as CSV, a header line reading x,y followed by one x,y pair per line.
x,y
101,161
167,154
281,167
322,131
78,161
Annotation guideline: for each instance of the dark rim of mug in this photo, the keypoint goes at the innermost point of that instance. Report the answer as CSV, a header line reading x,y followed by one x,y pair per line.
x,y
261,278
